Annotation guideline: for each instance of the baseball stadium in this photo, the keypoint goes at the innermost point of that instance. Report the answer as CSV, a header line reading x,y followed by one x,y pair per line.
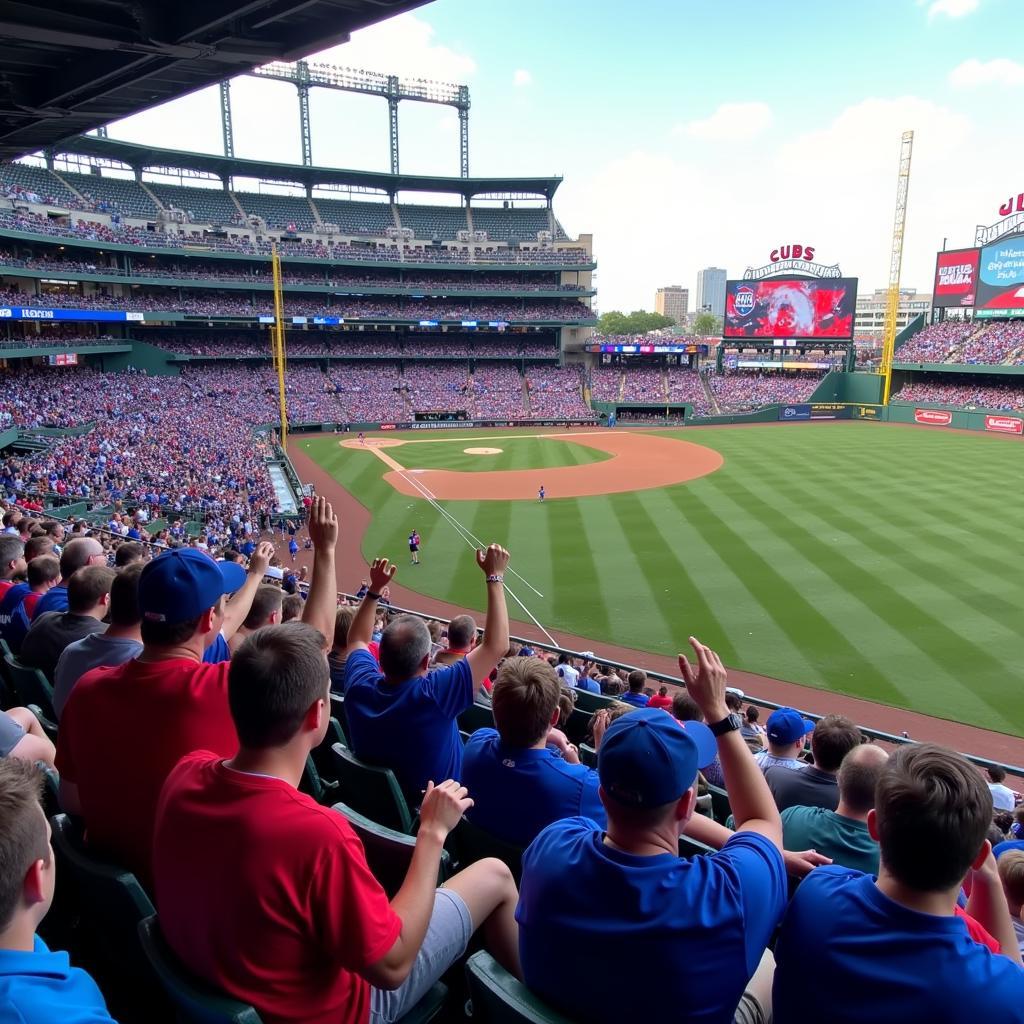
x,y
198,350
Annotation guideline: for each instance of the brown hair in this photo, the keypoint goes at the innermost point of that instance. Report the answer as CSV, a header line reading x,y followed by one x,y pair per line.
x,y
933,812
87,586
636,680
291,608
23,838
43,569
833,738
124,596
37,546
525,696
267,600
858,777
685,709
1011,874
342,624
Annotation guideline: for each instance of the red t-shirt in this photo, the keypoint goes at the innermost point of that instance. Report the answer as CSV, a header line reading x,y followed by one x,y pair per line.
x,y
657,701
977,930
267,895
122,731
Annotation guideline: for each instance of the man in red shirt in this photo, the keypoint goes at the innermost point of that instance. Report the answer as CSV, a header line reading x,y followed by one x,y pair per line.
x,y
124,728
267,895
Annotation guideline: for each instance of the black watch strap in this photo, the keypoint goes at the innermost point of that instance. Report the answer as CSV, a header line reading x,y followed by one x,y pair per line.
x,y
728,724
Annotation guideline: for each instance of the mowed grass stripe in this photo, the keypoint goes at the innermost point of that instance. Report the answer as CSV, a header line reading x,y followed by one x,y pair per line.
x,y
572,547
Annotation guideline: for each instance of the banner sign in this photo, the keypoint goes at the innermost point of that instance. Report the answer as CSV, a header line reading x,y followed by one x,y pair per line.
x,y
866,412
793,259
32,313
1001,276
933,417
794,412
645,350
63,359
455,424
1004,424
830,411
956,277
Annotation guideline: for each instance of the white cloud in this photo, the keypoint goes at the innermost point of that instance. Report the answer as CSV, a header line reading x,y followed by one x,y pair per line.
x,y
731,121
951,8
522,77
974,72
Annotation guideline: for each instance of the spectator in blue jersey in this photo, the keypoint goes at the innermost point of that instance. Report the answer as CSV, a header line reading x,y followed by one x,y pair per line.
x,y
19,602
12,561
236,611
525,774
36,986
699,926
567,671
405,718
636,681
786,731
77,554
896,948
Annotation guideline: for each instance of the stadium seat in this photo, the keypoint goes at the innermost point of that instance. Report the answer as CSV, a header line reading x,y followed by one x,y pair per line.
x,y
470,844
49,726
338,711
322,756
371,791
498,998
693,847
476,716
31,686
719,803
577,728
388,852
313,785
587,701
588,755
196,1002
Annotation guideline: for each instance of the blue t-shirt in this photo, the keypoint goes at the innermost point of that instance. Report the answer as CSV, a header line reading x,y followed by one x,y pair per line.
x,y
12,600
638,700
698,925
42,987
217,652
1010,844
846,946
54,600
409,727
588,684
517,793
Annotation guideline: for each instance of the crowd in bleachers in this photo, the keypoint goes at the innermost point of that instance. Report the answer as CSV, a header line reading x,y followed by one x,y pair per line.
x,y
497,392
740,390
997,343
934,343
556,392
684,386
437,387
965,393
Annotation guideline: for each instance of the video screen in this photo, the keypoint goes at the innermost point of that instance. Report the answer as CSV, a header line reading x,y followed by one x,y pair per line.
x,y
1001,277
790,307
956,278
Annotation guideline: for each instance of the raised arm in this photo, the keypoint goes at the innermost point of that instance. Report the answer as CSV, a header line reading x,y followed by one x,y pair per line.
x,y
238,607
322,598
482,659
749,796
987,905
360,633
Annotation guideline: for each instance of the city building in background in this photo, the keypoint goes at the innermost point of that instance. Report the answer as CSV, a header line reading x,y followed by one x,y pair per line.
x,y
870,317
673,301
711,290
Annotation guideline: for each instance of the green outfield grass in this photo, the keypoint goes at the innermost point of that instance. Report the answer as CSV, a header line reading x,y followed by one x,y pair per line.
x,y
878,561
517,453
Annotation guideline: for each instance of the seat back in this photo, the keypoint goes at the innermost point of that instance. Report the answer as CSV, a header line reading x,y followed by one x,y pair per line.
x,y
389,853
588,756
577,728
110,898
196,1001
338,711
31,686
371,791
719,804
476,716
693,847
587,701
322,756
498,998
471,843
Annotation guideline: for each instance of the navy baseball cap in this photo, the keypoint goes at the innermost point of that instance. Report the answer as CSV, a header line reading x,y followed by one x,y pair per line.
x,y
181,584
647,760
787,725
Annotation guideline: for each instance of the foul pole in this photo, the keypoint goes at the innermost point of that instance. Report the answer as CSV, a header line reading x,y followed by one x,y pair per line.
x,y
892,304
277,342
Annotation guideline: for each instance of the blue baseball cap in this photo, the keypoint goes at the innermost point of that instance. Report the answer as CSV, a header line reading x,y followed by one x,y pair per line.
x,y
787,725
647,759
181,584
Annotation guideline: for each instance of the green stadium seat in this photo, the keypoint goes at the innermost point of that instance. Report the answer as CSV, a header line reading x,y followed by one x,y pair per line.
x,y
196,1001
499,998
371,791
338,711
388,852
313,785
577,728
470,844
719,803
322,756
587,701
476,716
49,727
693,847
588,756
30,686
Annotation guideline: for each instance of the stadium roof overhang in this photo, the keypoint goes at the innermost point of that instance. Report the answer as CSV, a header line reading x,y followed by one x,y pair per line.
x,y
150,157
69,66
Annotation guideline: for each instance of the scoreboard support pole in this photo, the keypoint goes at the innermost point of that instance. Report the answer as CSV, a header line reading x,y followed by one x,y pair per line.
x,y
277,343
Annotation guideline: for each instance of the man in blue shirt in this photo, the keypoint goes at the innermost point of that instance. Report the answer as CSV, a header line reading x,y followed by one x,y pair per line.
x,y
895,949
405,719
786,732
635,694
36,986
699,926
525,774
77,554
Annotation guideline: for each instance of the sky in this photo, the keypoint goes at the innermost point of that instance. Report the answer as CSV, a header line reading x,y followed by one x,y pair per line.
x,y
689,133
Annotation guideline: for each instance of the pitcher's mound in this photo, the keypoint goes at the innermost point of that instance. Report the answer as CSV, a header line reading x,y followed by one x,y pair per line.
x,y
372,442
482,451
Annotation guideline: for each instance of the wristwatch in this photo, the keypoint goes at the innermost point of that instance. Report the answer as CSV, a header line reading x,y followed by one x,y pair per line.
x,y
728,724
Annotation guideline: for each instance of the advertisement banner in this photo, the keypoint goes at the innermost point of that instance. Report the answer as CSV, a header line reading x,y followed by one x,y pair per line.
x,y
933,417
1004,424
795,412
790,308
830,411
956,277
32,313
866,412
1001,277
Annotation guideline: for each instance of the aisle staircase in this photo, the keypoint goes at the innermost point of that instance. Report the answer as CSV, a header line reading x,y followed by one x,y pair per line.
x,y
953,356
705,383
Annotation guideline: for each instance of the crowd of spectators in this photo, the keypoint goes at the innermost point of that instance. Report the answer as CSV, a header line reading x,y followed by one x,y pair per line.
x,y
437,387
684,386
739,390
556,392
999,342
497,392
934,343
964,393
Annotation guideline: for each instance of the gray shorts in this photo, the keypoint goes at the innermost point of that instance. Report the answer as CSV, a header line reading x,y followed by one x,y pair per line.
x,y
447,937
11,734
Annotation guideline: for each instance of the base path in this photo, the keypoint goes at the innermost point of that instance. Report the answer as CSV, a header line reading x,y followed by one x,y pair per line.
x,y
352,567
638,463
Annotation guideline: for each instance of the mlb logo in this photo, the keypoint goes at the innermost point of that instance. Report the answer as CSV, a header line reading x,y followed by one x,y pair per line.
x,y
744,301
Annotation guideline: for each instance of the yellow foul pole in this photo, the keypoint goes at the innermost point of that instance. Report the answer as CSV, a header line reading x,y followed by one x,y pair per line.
x,y
277,342
892,304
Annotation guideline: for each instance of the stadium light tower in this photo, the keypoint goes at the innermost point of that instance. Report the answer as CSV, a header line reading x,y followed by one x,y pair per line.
x,y
892,304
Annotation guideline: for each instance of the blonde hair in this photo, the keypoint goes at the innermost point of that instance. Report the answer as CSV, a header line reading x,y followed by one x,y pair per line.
x,y
1011,874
